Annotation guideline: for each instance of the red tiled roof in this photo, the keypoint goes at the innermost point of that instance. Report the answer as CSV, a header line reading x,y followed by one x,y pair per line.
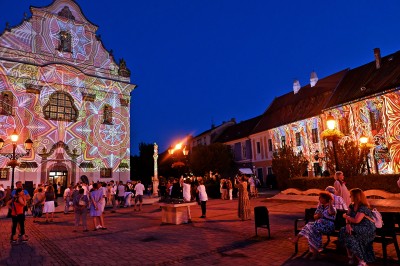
x,y
238,131
366,80
307,102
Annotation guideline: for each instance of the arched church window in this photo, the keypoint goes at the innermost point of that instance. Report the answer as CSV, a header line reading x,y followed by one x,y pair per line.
x,y
65,42
60,107
6,103
107,115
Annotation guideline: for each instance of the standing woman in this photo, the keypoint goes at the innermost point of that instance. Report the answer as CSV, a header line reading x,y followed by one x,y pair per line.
x,y
17,205
359,232
341,188
96,207
244,211
49,206
81,202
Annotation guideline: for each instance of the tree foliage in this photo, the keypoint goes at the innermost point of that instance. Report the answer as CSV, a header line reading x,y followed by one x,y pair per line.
x,y
216,157
142,166
287,164
351,160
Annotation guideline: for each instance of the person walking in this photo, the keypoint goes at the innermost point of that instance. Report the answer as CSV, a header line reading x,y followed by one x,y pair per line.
x,y
244,210
49,206
17,204
340,187
201,190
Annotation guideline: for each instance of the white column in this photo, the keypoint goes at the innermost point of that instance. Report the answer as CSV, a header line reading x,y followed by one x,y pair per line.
x,y
155,177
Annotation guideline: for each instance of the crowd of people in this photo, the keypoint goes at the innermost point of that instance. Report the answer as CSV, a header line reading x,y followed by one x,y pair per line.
x,y
357,236
81,198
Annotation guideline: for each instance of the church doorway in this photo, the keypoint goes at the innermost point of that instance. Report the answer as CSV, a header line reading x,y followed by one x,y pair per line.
x,y
58,177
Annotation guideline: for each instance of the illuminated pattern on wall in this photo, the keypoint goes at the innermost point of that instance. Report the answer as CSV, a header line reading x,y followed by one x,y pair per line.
x,y
88,78
379,119
304,127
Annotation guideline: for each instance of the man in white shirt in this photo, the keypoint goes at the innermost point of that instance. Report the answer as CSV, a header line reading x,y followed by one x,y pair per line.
x,y
67,198
139,189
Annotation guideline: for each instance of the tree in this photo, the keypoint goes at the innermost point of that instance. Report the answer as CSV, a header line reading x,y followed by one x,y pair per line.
x,y
142,166
350,158
216,157
287,164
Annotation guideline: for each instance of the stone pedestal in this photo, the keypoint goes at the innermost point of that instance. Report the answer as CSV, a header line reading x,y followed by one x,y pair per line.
x,y
176,213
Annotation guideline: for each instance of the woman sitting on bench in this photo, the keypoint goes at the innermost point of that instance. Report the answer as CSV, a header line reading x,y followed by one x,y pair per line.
x,y
324,224
359,233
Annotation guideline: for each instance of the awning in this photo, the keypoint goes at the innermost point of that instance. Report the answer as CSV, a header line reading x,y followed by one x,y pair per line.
x,y
246,171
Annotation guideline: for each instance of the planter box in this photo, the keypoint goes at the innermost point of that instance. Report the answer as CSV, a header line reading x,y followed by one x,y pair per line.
x,y
175,213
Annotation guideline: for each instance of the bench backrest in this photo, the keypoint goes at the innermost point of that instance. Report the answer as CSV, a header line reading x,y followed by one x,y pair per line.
x,y
339,220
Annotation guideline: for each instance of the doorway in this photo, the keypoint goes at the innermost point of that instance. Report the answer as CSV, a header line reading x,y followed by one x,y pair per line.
x,y
58,178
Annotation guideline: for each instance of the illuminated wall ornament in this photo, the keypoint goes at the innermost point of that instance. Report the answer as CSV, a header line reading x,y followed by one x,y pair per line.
x,y
59,93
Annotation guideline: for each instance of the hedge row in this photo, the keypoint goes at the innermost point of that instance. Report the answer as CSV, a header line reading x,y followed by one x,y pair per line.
x,y
383,182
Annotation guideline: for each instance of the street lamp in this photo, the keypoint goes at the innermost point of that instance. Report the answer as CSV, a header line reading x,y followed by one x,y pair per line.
x,y
331,124
15,156
179,150
364,147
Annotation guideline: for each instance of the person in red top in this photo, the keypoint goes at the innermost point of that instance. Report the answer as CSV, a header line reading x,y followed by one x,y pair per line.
x,y
17,204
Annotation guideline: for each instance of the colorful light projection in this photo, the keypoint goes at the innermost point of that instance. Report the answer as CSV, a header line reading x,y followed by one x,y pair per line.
x,y
88,69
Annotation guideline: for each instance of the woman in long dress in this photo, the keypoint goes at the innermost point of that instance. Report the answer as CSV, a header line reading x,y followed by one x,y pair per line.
x,y
359,232
244,210
324,223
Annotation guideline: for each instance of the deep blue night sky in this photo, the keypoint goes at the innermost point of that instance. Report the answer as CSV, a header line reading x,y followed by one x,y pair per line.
x,y
200,62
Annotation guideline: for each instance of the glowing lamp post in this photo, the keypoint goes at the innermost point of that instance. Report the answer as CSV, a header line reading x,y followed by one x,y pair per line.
x,y
177,151
331,124
364,147
13,156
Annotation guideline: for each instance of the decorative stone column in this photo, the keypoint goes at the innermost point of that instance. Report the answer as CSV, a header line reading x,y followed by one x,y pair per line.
x,y
155,177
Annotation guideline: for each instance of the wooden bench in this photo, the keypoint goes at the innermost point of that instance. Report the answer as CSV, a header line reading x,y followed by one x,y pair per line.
x,y
385,235
309,217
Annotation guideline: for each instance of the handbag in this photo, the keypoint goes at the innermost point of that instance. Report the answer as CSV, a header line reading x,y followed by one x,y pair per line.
x,y
81,202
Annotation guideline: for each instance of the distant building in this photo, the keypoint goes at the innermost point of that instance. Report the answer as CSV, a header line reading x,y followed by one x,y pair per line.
x,y
210,136
61,88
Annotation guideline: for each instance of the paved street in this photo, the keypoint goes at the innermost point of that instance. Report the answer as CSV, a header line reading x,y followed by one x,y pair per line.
x,y
138,238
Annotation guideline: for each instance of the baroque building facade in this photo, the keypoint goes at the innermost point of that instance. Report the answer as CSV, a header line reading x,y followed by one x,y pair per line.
x,y
61,88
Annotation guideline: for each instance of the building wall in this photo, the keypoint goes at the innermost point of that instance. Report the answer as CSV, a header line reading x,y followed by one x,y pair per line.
x,y
33,68
383,131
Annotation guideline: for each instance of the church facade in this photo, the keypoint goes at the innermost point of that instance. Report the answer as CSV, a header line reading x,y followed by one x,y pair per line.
x,y
63,90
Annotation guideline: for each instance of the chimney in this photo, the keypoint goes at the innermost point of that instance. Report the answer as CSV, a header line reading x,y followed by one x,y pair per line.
x,y
377,54
313,79
296,86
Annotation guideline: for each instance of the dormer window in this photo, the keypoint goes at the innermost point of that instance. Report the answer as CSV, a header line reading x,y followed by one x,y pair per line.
x,y
6,103
107,115
65,42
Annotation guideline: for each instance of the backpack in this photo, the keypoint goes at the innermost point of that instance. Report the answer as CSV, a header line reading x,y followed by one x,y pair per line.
x,y
376,218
